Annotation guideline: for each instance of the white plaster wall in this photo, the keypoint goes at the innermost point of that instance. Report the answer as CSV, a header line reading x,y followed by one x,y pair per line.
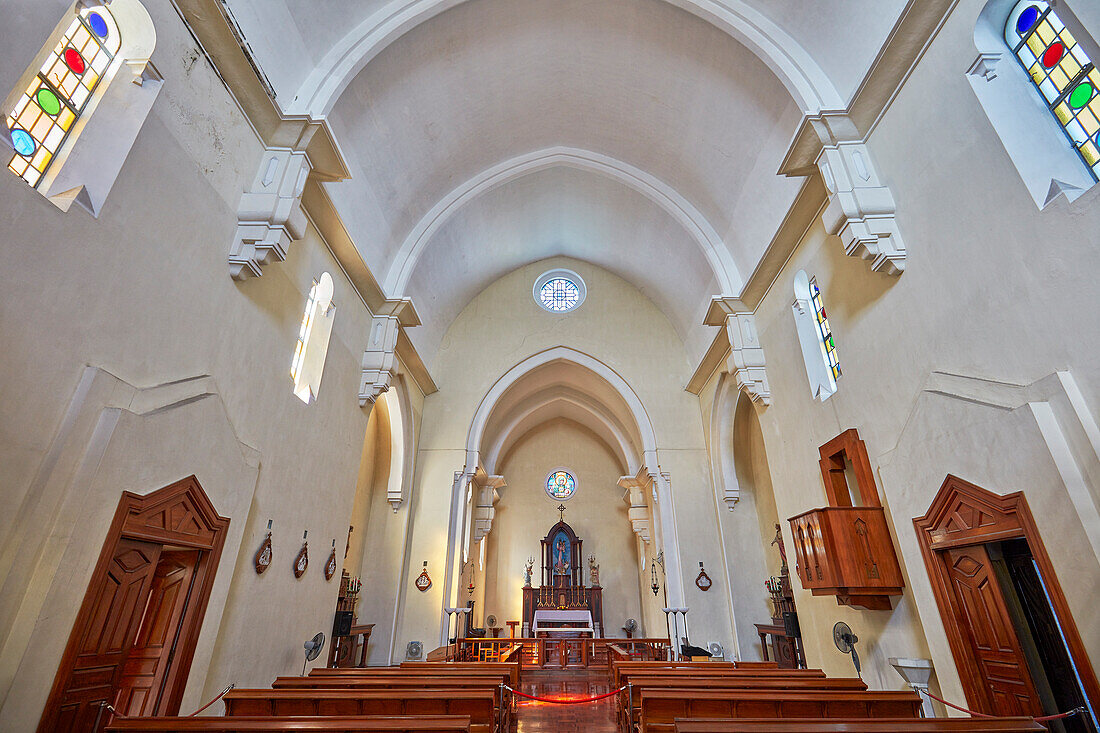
x,y
143,292
993,289
596,513
503,326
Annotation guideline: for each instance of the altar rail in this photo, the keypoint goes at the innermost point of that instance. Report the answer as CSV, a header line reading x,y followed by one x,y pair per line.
x,y
563,652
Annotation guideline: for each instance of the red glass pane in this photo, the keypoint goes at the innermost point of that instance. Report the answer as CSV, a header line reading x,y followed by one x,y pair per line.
x,y
1054,54
74,61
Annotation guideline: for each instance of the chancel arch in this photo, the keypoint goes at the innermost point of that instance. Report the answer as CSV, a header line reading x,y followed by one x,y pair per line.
x,y
532,389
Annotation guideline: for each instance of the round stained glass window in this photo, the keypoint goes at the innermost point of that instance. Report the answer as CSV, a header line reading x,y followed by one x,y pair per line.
x,y
559,291
560,485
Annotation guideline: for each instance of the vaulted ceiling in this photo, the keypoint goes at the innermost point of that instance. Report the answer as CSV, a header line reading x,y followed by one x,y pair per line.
x,y
642,136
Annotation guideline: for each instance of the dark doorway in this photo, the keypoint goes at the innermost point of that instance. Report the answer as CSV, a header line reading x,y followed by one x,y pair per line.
x,y
136,630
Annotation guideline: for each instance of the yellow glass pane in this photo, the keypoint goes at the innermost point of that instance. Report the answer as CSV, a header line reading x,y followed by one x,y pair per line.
x,y
1045,32
1069,66
1062,113
41,159
28,117
1035,45
1092,155
1059,78
65,118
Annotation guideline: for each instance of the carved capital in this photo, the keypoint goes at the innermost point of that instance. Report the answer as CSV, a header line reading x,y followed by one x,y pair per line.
x,y
270,215
985,66
640,518
486,494
860,209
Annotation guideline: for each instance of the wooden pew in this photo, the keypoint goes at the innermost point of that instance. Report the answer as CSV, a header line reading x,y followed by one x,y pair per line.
x,y
728,681
661,708
512,666
333,724
618,667
919,725
623,673
505,675
491,681
478,704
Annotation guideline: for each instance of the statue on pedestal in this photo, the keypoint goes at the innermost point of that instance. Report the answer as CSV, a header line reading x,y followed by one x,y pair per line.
x,y
593,570
527,570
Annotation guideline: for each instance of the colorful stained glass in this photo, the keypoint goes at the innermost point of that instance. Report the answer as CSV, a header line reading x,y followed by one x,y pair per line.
x,y
825,334
48,101
560,485
560,295
98,25
59,93
22,141
1062,72
74,61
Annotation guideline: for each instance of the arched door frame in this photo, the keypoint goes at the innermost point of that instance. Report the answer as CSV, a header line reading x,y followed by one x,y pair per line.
x,y
964,515
180,515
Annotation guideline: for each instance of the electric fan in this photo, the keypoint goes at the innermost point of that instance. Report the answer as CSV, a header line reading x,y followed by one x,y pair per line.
x,y
313,649
845,641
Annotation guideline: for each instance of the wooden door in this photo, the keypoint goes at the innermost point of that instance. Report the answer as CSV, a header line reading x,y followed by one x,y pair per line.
x,y
984,621
114,611
146,667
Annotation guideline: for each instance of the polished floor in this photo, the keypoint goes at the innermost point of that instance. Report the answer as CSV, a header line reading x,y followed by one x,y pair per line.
x,y
543,717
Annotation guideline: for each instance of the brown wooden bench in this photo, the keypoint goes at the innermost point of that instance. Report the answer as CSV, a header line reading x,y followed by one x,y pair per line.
x,y
513,666
623,674
920,725
477,704
618,667
334,724
688,679
661,708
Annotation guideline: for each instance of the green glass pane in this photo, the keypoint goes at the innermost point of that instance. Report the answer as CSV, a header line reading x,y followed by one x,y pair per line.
x,y
1081,95
48,101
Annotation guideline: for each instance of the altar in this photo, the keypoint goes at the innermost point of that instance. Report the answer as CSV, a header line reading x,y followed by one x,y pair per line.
x,y
562,605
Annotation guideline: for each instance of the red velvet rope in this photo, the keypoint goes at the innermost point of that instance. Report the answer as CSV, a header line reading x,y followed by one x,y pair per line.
x,y
219,697
566,702
975,713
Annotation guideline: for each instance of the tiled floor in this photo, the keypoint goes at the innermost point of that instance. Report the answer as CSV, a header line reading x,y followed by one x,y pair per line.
x,y
541,717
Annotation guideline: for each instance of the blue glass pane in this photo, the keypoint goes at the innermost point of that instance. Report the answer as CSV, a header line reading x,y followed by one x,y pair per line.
x,y
23,143
1027,19
97,24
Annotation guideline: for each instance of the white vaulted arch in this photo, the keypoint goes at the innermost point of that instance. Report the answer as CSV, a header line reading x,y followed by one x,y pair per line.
x,y
667,198
803,78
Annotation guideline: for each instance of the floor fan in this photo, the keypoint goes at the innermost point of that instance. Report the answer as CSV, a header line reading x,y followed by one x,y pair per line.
x,y
313,649
845,641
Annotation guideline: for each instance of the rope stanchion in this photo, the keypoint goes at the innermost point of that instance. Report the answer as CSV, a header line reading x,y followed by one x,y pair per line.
x,y
976,714
566,702
228,687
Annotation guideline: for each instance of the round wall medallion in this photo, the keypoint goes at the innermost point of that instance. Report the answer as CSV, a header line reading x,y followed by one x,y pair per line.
x,y
559,291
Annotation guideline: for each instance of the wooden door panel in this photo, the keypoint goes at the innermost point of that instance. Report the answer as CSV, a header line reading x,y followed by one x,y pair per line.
x,y
988,626
108,635
149,659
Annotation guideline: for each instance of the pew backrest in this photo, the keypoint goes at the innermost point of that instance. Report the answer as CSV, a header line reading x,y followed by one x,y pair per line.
x,y
661,707
335,724
918,725
477,704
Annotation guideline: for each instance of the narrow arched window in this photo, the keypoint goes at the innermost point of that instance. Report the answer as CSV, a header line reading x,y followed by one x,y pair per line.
x,y
60,92
313,336
815,336
1062,72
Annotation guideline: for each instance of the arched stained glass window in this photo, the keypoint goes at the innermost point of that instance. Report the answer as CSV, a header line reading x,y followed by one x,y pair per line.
x,y
59,93
560,485
825,334
1063,73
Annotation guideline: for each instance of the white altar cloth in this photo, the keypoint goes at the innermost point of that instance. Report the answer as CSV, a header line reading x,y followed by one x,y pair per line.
x,y
577,620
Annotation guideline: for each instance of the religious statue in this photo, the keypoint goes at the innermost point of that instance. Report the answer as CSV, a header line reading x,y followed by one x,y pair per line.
x,y
561,557
593,570
782,551
527,570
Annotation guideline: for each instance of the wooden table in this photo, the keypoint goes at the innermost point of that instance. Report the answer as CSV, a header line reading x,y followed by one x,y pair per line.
x,y
788,649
